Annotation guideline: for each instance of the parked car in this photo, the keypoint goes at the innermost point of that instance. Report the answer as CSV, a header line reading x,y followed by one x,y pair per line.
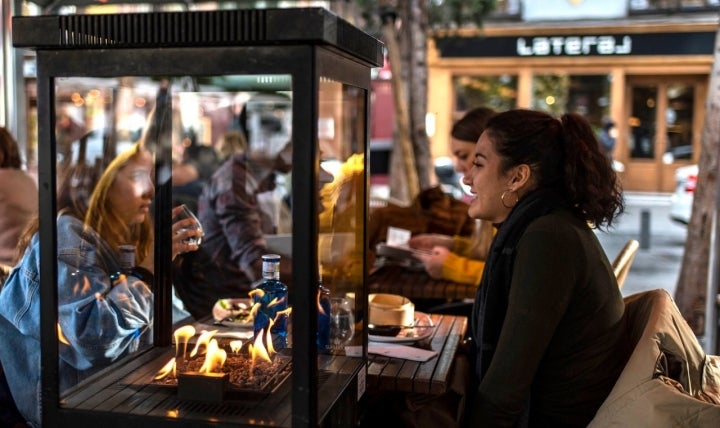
x,y
682,199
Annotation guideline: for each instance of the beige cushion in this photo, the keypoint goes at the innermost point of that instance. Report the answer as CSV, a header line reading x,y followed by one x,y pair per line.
x,y
668,381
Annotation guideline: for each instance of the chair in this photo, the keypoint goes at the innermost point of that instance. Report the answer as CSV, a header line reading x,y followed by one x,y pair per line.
x,y
668,380
622,262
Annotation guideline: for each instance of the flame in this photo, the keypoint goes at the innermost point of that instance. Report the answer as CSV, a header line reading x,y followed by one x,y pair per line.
x,y
121,279
256,306
260,293
269,341
254,310
214,358
236,345
257,350
77,289
275,301
185,333
319,305
278,314
204,338
169,367
61,336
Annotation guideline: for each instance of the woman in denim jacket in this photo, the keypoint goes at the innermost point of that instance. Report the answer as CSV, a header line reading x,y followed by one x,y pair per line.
x,y
102,316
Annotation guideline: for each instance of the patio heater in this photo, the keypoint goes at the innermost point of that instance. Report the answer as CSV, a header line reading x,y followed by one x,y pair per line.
x,y
179,80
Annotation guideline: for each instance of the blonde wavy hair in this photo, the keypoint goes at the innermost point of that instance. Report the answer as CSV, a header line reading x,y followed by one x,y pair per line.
x,y
102,218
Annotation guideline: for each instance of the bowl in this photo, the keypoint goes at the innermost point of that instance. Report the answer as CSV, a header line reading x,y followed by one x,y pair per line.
x,y
390,310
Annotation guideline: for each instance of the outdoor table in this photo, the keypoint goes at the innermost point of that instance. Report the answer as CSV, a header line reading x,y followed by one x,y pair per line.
x,y
431,377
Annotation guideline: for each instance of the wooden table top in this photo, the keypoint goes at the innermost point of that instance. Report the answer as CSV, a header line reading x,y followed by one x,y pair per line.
x,y
414,283
430,377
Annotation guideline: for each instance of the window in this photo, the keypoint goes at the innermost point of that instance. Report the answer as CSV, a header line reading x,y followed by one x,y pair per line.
x,y
668,5
588,95
643,122
497,92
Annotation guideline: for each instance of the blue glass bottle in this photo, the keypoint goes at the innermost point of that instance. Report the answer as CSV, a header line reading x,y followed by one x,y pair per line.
x,y
323,306
272,298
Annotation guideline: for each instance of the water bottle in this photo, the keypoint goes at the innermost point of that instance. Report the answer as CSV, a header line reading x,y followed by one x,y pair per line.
x,y
127,263
323,319
271,296
127,268
127,258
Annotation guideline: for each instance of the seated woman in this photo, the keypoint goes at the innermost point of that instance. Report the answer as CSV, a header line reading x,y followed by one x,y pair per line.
x,y
548,315
102,315
455,258
18,198
458,258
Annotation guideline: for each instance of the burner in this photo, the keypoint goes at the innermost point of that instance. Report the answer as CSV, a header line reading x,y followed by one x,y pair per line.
x,y
239,377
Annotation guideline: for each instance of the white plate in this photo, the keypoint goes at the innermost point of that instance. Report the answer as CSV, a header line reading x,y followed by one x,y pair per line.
x,y
225,308
422,330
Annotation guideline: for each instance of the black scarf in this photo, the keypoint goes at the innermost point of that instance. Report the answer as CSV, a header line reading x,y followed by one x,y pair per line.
x,y
491,297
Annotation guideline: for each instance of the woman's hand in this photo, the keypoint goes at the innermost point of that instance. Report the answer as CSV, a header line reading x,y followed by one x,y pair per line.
x,y
426,241
181,231
433,261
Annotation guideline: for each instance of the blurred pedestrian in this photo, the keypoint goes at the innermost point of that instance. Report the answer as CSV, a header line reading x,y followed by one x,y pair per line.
x,y
18,197
193,166
228,144
607,138
236,209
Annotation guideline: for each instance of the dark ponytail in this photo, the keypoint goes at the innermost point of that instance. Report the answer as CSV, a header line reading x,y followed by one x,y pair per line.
x,y
590,181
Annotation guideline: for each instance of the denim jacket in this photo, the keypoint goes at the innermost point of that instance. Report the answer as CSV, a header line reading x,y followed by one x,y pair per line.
x,y
102,320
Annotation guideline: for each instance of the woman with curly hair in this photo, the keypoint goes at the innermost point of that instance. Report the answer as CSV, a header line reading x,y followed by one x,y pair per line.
x,y
547,317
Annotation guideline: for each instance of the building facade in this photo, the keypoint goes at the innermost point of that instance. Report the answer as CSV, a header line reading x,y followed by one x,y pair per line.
x,y
640,66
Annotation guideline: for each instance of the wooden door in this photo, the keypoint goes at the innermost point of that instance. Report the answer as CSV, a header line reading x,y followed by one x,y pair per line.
x,y
664,117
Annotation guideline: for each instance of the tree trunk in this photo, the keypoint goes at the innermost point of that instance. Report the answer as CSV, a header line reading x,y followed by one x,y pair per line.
x,y
691,290
413,41
403,175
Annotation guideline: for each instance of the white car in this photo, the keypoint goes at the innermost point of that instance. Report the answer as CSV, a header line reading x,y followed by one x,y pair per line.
x,y
681,200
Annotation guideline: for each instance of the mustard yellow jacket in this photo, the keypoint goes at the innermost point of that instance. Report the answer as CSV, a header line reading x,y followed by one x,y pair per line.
x,y
459,268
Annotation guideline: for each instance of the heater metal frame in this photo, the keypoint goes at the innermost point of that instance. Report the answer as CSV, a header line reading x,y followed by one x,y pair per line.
x,y
307,44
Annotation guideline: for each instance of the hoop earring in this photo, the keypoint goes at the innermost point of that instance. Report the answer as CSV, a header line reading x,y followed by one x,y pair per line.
x,y
502,198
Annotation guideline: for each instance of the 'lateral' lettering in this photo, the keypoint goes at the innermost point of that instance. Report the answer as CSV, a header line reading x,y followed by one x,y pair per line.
x,y
574,45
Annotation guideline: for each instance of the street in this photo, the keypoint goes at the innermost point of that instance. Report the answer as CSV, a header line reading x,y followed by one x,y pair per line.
x,y
658,264
662,242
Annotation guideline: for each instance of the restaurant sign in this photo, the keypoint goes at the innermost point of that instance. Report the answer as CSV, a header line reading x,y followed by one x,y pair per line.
x,y
574,45
687,43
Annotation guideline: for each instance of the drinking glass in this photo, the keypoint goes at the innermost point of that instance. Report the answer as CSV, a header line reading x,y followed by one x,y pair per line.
x,y
342,324
187,213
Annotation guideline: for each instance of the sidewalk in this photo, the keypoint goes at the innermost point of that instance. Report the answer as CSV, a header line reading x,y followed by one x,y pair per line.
x,y
657,263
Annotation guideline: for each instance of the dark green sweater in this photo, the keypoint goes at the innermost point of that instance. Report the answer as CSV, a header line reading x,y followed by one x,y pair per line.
x,y
561,346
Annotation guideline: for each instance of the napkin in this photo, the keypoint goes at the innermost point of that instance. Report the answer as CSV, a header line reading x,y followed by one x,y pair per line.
x,y
397,237
401,351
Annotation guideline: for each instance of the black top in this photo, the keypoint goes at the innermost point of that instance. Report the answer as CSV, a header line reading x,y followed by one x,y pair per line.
x,y
560,346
